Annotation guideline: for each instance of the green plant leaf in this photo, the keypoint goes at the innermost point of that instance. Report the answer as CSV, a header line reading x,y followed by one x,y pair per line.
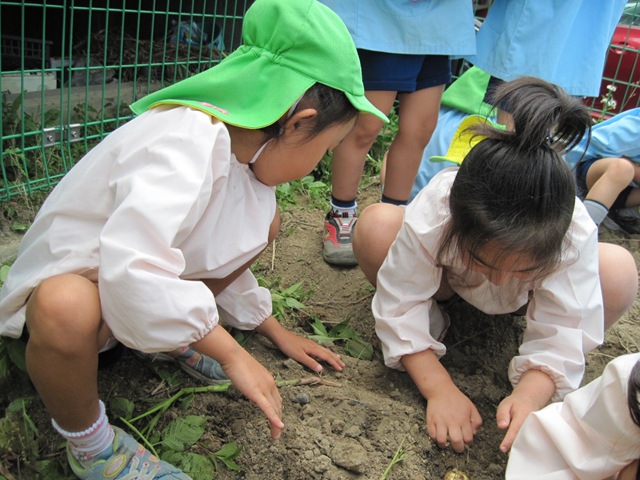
x,y
49,469
4,271
19,227
319,328
16,351
295,304
182,433
358,348
198,467
227,454
121,407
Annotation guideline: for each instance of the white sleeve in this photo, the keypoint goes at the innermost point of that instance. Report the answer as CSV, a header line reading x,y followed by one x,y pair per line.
x,y
244,304
405,314
565,318
160,189
590,435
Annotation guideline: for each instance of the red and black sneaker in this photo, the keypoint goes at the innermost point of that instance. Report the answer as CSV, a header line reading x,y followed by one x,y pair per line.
x,y
337,246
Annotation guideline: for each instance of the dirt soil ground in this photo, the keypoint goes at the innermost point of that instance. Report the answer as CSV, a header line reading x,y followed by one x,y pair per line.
x,y
350,431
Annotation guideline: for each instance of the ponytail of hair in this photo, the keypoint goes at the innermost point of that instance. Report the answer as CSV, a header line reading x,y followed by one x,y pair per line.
x,y
513,188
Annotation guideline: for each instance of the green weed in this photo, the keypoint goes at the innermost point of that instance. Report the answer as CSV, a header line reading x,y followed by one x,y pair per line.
x,y
315,191
18,433
397,457
353,344
286,302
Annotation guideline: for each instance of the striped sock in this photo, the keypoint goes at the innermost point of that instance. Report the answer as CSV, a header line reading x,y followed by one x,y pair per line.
x,y
86,445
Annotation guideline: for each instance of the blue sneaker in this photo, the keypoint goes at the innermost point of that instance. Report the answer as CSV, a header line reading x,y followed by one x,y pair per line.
x,y
197,365
128,461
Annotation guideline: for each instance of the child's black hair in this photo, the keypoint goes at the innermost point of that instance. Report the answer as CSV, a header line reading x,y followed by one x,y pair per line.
x,y
633,393
332,106
513,190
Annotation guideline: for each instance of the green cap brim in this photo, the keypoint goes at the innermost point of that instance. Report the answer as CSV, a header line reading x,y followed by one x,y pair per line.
x,y
288,47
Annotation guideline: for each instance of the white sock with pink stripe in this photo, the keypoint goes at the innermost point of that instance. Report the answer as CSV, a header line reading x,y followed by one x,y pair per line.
x,y
86,445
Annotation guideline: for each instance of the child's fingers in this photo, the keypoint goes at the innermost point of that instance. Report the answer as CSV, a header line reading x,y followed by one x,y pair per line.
x,y
458,438
308,354
514,428
503,415
440,434
273,411
330,357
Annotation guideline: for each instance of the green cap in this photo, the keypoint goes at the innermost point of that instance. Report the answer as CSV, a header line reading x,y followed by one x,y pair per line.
x,y
289,45
467,93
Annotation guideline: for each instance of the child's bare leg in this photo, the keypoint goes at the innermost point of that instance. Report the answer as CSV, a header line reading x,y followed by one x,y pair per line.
x,y
618,280
376,230
349,157
417,121
65,336
607,177
630,472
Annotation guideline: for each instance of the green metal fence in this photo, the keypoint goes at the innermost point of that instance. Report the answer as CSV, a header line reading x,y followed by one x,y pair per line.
x,y
70,68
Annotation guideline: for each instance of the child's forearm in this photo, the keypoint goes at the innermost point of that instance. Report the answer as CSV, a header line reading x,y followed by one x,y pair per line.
x,y
535,386
272,329
427,373
219,345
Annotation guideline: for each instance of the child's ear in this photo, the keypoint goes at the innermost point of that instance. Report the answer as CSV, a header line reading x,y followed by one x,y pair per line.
x,y
298,119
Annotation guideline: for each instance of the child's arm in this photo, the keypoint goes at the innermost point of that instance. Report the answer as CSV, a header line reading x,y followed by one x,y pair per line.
x,y
246,373
451,416
245,305
301,349
533,392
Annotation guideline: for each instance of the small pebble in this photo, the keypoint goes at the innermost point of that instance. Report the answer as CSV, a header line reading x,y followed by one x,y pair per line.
x,y
302,398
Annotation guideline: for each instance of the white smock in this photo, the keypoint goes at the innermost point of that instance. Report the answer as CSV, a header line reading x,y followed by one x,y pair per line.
x,y
159,203
565,317
588,436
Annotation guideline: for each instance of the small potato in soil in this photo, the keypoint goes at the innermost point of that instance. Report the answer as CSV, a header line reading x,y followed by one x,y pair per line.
x,y
455,474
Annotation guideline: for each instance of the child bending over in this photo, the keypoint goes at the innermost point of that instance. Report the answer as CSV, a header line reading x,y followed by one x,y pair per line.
x,y
151,235
506,233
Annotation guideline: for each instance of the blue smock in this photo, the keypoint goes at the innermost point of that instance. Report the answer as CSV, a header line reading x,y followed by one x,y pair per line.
x,y
618,136
562,41
464,97
418,27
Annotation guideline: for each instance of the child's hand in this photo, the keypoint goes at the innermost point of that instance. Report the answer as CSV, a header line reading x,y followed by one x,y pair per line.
x,y
452,418
258,385
246,373
512,414
300,349
533,391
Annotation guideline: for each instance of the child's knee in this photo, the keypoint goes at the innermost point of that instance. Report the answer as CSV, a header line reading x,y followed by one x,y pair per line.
x,y
62,304
365,132
622,170
274,229
618,278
